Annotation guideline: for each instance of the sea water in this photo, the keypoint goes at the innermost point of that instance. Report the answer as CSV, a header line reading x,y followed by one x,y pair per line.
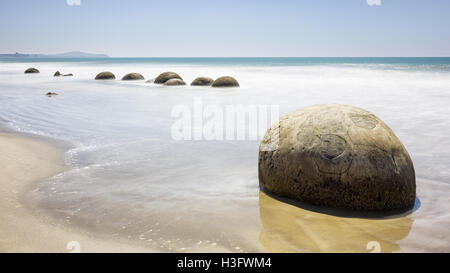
x,y
130,178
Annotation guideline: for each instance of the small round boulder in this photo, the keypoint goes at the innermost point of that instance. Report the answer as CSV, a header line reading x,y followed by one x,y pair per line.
x,y
133,77
202,81
337,156
225,82
57,74
31,70
174,82
51,94
163,77
105,76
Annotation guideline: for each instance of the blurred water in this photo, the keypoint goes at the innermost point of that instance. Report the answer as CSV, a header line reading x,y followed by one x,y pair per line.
x,y
128,177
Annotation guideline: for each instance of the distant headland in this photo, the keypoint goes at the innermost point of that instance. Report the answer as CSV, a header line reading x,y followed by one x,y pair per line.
x,y
72,54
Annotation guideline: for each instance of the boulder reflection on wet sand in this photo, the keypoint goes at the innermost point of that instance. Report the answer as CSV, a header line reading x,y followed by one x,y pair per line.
x,y
288,228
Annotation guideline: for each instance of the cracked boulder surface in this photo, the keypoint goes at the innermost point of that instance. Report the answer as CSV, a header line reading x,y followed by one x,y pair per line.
x,y
337,156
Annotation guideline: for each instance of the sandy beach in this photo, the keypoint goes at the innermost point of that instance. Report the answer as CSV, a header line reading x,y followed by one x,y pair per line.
x,y
25,161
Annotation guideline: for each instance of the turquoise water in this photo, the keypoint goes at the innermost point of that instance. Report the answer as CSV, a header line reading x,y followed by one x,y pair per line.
x,y
130,178
444,62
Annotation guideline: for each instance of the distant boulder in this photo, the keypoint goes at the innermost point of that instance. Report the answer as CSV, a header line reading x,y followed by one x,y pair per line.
x,y
57,74
51,94
133,77
202,81
31,70
105,76
163,77
225,82
173,82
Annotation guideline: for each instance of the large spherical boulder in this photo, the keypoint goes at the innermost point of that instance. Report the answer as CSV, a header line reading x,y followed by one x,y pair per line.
x,y
225,82
174,82
337,156
31,70
105,76
163,77
133,77
202,81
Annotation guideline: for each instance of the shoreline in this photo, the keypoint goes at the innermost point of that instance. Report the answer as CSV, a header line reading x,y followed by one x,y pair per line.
x,y
22,229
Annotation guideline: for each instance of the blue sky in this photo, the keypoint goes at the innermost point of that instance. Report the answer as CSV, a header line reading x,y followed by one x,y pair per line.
x,y
209,28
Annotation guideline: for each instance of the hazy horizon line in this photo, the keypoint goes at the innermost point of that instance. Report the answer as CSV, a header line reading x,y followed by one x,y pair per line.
x,y
225,57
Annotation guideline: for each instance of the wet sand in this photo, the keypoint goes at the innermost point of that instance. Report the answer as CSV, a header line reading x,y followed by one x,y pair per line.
x,y
289,228
24,161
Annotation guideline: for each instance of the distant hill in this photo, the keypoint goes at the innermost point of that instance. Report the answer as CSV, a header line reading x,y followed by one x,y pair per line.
x,y
78,54
73,54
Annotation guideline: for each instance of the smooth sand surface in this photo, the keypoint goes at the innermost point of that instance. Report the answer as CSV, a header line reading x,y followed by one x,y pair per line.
x,y
24,161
